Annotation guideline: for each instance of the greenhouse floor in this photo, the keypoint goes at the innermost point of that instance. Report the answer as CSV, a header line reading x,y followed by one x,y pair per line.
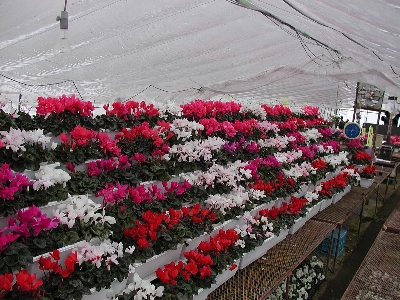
x,y
356,247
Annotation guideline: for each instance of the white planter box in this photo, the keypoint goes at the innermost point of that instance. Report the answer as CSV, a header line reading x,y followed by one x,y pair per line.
x,y
347,189
325,203
192,244
366,183
64,252
258,252
282,235
231,224
254,211
313,210
336,197
297,225
115,289
148,268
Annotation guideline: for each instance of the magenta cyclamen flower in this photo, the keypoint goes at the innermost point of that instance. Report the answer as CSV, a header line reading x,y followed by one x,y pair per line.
x,y
298,136
334,144
355,144
311,110
100,166
326,132
231,146
307,152
123,162
31,218
113,193
11,183
139,157
6,239
271,162
176,187
252,147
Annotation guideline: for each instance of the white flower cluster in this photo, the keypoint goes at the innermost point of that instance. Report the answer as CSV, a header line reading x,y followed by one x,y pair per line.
x,y
184,129
236,198
81,208
279,142
229,175
311,135
295,109
256,194
48,175
296,171
325,150
195,150
311,196
337,160
301,281
168,107
289,156
16,138
267,227
107,251
352,173
267,126
254,108
143,289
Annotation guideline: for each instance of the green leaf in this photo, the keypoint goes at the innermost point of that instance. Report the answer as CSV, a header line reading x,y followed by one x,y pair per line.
x,y
40,243
10,260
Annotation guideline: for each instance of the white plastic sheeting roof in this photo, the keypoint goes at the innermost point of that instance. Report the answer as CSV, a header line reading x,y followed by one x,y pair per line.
x,y
306,51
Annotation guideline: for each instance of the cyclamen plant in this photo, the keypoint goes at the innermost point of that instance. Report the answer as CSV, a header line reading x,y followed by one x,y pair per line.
x,y
84,217
368,172
21,285
140,289
17,140
26,236
11,183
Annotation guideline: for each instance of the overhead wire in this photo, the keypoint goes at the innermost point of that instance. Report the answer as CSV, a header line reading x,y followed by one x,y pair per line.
x,y
44,84
163,90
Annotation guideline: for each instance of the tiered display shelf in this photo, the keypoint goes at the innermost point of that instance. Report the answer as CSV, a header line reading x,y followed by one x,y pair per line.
x,y
260,278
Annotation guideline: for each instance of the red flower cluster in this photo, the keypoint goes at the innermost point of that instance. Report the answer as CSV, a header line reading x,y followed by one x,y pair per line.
x,y
277,110
293,208
81,136
362,157
145,131
271,186
47,264
197,215
368,172
334,185
25,282
220,243
122,110
204,109
64,103
145,231
199,262
197,265
289,125
319,164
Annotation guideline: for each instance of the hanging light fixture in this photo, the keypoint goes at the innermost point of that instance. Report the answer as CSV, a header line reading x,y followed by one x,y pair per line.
x,y
63,45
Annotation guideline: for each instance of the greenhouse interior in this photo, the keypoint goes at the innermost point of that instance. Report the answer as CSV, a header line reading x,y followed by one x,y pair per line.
x,y
199,150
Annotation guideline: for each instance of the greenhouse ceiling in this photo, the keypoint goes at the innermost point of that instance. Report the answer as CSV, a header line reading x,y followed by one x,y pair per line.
x,y
301,51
